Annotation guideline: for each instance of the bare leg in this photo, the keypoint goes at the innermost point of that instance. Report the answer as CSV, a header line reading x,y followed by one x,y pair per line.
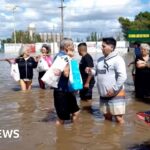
x,y
75,116
28,85
23,85
119,119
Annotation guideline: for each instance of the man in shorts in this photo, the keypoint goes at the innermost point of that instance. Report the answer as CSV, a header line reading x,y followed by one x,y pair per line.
x,y
111,75
65,101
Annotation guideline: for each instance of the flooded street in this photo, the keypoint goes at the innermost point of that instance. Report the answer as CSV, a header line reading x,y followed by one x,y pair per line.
x,y
29,113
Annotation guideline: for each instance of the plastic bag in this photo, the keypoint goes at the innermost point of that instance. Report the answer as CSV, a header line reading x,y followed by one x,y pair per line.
x,y
59,64
15,72
75,79
42,65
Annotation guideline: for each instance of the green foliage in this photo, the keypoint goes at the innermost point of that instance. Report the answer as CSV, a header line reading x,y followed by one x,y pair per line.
x,y
23,37
93,37
141,22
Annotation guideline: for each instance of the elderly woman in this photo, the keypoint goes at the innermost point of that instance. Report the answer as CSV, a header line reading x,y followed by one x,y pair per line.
x,y
26,63
142,77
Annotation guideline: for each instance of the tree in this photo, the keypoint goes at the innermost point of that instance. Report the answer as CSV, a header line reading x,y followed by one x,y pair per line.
x,y
141,22
93,37
79,39
23,37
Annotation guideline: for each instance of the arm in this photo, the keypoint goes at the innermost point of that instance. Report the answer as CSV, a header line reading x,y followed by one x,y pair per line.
x,y
91,71
90,64
141,64
34,62
86,85
37,58
10,61
120,70
66,71
121,74
3,59
131,63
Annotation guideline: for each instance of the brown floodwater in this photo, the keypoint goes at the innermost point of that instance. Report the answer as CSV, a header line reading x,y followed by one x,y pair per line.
x,y
29,113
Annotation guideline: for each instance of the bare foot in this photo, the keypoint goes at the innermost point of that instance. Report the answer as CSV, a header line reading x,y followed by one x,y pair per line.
x,y
59,122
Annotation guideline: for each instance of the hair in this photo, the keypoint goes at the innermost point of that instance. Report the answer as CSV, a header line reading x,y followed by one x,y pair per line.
x,y
47,47
145,46
137,44
110,41
82,44
23,49
64,42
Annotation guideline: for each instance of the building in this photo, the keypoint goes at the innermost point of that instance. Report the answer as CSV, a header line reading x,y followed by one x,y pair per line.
x,y
50,37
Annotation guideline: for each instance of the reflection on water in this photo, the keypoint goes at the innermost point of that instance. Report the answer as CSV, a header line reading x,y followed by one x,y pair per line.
x,y
34,115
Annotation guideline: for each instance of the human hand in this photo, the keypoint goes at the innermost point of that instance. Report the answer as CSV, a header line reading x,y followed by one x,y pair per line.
x,y
110,92
36,58
88,70
57,72
129,64
86,85
141,62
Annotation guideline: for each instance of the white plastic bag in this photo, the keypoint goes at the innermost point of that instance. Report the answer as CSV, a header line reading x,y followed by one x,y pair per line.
x,y
42,65
14,72
59,64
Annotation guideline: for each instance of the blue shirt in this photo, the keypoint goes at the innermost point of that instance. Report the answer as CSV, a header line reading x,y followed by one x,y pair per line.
x,y
61,53
137,51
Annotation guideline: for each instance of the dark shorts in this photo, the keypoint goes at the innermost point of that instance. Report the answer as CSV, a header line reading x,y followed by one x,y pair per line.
x,y
65,104
86,93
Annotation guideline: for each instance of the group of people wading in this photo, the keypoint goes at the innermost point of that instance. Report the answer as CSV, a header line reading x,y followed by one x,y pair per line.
x,y
109,72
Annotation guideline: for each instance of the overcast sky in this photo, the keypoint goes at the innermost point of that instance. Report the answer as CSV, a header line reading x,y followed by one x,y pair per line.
x,y
81,17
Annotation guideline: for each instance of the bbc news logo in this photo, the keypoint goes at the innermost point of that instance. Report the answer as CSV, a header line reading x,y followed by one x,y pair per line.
x,y
9,134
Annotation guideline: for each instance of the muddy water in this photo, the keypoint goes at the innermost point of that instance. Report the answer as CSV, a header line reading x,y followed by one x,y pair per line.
x,y
29,113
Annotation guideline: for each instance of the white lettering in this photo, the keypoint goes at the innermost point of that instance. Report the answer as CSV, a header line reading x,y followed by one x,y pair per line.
x,y
1,134
16,134
9,134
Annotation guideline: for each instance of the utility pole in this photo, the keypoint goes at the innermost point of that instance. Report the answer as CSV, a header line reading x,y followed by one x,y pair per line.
x,y
53,41
62,18
14,24
13,8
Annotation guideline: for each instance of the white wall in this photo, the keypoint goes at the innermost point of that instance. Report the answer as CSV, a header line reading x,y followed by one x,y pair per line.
x,y
12,48
122,47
